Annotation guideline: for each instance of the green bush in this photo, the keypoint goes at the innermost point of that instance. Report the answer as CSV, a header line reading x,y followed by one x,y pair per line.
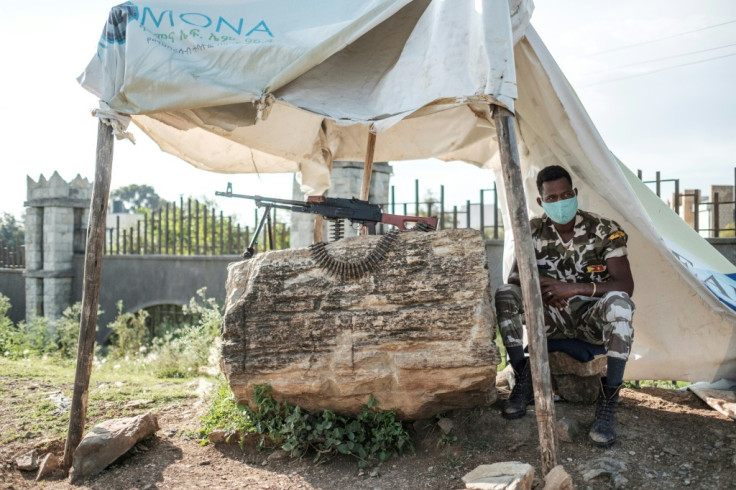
x,y
130,335
10,336
180,353
64,335
373,434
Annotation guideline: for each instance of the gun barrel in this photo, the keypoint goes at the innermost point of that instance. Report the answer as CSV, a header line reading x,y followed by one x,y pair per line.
x,y
260,200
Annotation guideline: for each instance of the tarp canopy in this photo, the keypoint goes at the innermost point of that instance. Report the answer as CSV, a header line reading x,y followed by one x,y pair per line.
x,y
285,86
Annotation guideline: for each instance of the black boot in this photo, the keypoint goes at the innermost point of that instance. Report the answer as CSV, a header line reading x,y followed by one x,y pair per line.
x,y
522,394
603,432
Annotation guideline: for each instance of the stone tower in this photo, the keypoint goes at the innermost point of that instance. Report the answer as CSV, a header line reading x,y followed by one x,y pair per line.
x,y
346,179
56,222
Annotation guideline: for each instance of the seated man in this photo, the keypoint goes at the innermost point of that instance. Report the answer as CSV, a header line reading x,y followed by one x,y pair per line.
x,y
586,284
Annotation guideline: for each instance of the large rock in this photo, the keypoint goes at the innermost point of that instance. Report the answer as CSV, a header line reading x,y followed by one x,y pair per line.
x,y
108,441
416,333
576,381
510,475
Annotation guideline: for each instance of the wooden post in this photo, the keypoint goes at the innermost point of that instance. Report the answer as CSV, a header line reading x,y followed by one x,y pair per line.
x,y
90,291
527,263
365,188
370,150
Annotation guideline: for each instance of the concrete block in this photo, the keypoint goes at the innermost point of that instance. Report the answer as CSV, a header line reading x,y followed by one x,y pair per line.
x,y
57,296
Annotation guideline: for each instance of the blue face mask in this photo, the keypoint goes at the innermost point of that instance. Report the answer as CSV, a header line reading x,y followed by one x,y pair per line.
x,y
561,212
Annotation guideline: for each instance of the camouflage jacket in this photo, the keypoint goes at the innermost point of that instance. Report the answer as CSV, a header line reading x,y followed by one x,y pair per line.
x,y
595,240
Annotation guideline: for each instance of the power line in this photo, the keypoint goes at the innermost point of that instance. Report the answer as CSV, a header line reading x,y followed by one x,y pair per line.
x,y
656,71
658,39
653,60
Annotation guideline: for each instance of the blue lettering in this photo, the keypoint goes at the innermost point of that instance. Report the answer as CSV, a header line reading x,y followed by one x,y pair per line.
x,y
206,19
260,27
221,21
147,10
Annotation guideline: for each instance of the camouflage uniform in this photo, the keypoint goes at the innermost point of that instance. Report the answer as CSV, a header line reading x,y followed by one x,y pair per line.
x,y
602,321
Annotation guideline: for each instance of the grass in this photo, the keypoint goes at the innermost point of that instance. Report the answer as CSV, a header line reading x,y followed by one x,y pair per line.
x,y
31,387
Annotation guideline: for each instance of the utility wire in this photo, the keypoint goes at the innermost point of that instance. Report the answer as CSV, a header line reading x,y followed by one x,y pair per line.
x,y
656,71
654,60
659,39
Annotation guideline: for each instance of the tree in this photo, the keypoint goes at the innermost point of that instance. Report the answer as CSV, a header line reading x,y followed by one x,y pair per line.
x,y
135,197
12,233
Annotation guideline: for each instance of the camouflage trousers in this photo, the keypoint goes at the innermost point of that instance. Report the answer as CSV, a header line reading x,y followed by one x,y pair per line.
x,y
604,321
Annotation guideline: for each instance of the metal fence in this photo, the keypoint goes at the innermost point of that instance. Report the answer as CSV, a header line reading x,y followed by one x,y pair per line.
x,y
12,255
191,228
719,213
482,215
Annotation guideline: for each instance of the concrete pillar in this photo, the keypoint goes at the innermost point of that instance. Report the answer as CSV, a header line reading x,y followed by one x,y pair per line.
x,y
346,179
55,210
725,211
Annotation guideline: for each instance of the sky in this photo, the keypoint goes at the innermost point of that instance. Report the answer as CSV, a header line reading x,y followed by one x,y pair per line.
x,y
656,78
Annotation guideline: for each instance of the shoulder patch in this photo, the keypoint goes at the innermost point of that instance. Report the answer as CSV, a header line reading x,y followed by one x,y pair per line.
x,y
617,234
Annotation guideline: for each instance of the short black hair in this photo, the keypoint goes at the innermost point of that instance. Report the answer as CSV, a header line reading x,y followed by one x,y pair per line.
x,y
548,174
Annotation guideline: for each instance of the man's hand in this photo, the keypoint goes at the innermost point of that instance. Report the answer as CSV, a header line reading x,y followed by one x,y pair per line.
x,y
556,293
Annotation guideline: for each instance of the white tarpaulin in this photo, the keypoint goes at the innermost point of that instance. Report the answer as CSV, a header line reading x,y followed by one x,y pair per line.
x,y
284,86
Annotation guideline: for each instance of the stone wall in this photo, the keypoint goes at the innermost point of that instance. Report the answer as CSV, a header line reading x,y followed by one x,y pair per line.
x,y
12,285
141,281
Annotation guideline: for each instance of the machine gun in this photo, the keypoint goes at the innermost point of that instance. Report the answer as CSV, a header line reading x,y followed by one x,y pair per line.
x,y
334,209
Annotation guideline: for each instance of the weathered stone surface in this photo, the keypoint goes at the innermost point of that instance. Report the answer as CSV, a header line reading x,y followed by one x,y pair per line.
x,y
498,476
558,479
49,464
607,467
561,363
446,425
568,430
417,333
27,461
221,435
575,381
577,389
108,441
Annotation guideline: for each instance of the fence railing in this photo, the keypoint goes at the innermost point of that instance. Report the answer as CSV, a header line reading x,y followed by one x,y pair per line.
x,y
472,215
191,228
12,256
720,214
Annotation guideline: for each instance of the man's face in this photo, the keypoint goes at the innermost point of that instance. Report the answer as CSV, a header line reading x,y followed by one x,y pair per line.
x,y
556,190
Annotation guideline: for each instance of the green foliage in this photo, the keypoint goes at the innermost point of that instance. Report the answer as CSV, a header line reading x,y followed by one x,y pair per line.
x,y
653,383
10,336
130,333
224,413
136,197
11,231
64,338
728,231
179,353
373,434
40,336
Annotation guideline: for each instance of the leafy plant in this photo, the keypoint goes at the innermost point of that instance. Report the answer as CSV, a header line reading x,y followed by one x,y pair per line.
x,y
372,434
130,334
10,337
180,353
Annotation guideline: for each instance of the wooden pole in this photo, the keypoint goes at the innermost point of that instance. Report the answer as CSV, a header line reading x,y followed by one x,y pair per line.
x,y
527,263
365,188
90,291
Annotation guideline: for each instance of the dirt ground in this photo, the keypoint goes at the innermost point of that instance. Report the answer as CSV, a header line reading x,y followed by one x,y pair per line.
x,y
667,439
